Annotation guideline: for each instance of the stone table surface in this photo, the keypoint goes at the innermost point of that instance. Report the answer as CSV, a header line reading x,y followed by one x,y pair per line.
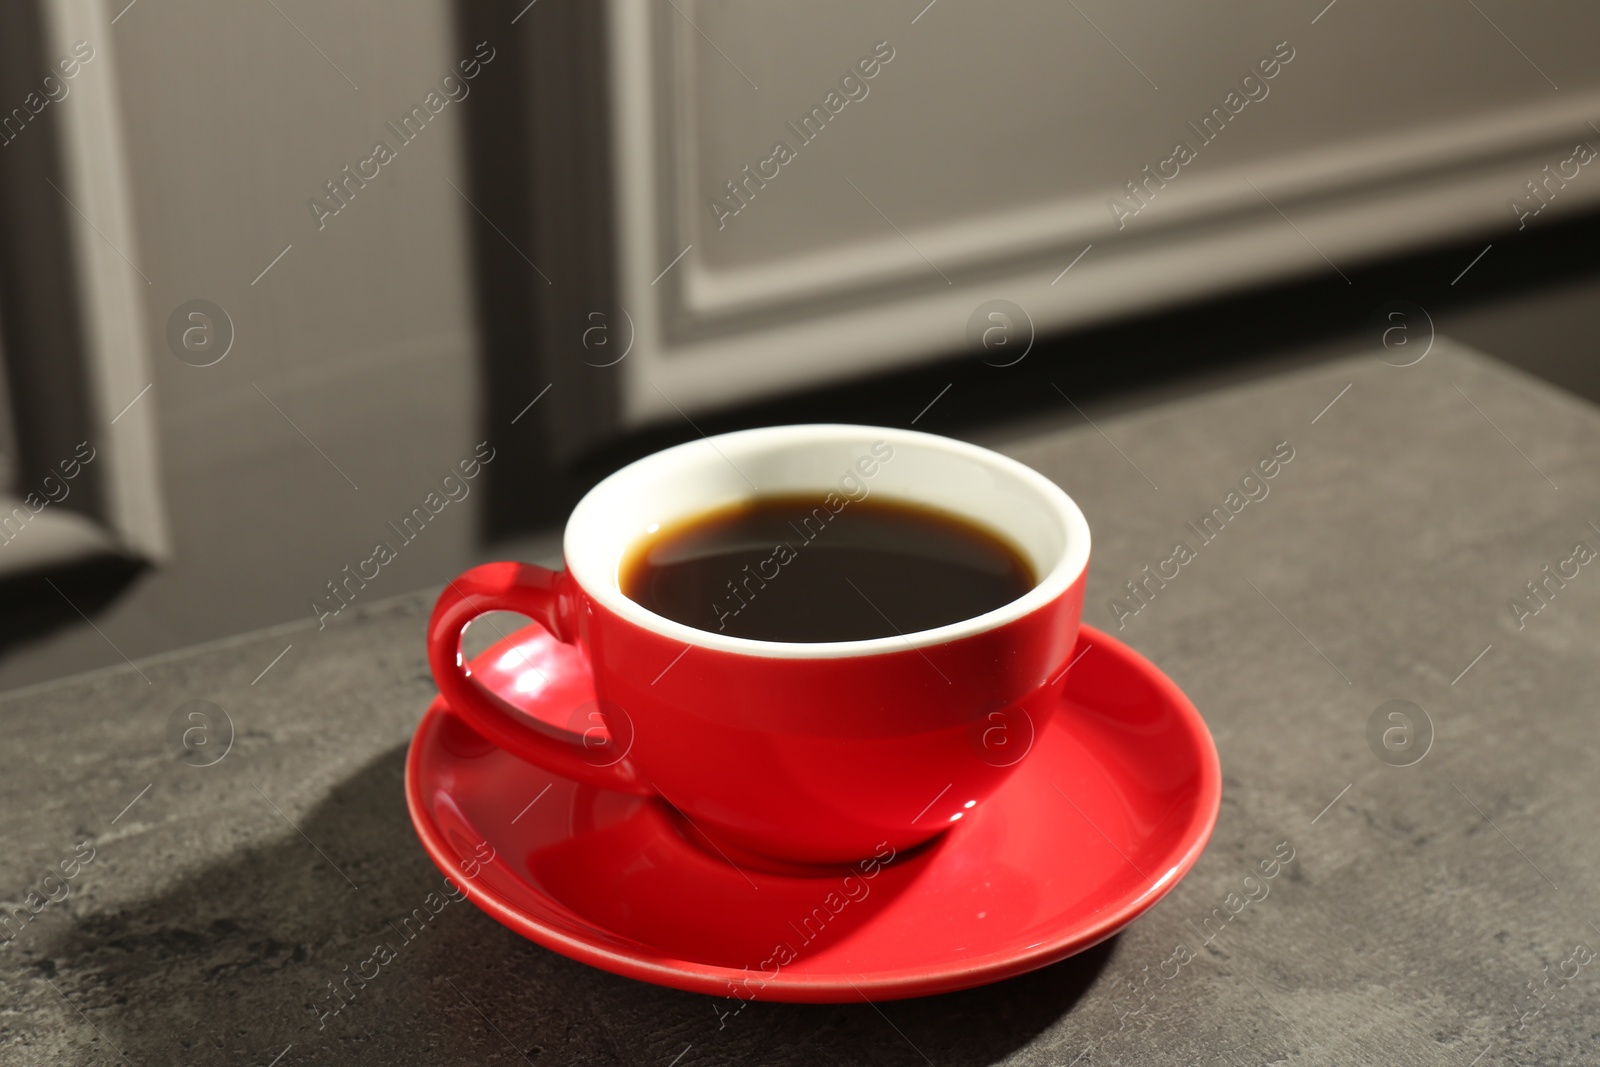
x,y
1440,913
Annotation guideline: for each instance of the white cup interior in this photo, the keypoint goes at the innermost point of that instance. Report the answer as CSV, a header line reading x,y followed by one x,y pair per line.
x,y
995,492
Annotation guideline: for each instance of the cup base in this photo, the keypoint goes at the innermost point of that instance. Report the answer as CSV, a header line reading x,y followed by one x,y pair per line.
x,y
742,858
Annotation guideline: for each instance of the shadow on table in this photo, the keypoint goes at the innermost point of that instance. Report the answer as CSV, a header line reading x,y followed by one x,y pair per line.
x,y
35,604
236,961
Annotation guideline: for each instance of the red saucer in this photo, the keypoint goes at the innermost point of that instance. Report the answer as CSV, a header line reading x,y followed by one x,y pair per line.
x,y
1110,809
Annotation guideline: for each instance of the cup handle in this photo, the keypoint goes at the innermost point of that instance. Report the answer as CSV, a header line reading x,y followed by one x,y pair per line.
x,y
546,597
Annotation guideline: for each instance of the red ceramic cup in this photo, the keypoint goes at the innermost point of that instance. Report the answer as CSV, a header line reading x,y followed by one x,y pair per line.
x,y
788,752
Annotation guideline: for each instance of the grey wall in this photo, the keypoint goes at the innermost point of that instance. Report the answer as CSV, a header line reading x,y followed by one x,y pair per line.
x,y
364,333
361,333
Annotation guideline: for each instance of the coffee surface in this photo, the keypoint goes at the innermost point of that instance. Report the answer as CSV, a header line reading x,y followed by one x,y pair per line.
x,y
790,568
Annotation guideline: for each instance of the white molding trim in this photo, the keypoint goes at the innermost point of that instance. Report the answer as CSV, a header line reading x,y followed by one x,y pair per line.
x,y
112,293
1372,166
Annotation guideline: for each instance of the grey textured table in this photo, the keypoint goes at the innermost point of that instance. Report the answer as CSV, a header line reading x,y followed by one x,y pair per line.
x,y
1437,913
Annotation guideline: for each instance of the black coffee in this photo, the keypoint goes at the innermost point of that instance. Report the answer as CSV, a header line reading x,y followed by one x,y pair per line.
x,y
789,568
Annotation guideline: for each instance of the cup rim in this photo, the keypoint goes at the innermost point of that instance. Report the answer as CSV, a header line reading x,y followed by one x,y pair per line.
x,y
606,588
